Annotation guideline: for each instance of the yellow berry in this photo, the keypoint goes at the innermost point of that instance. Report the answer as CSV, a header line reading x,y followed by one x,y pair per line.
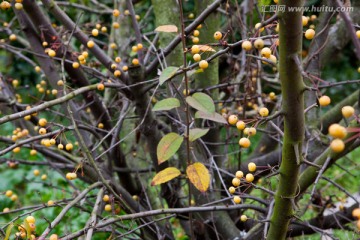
x,y
125,68
30,219
252,167
273,59
37,69
50,203
95,32
14,197
101,125
116,13
243,218
197,57
90,44
134,48
217,35
36,172
42,122
33,152
117,73
309,34
249,177
233,119
16,150
191,16
51,53
42,131
239,174
196,33
135,61
139,46
246,45
347,111
305,20
240,125
69,147
107,207
337,131
117,59
52,141
8,193
195,49
337,145
60,146
232,190
104,29
12,37
54,92
76,65
237,199
195,40
265,52
356,213
259,43
244,142
43,177
106,198
251,131
236,182
60,83
203,64
5,210
5,5
257,26
324,101
264,112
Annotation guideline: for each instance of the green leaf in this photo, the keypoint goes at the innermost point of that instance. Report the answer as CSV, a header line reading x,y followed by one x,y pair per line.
x,y
202,102
196,133
165,175
168,146
166,104
166,74
8,231
199,175
213,117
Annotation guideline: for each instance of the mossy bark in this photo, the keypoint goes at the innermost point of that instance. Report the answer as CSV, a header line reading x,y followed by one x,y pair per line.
x,y
292,87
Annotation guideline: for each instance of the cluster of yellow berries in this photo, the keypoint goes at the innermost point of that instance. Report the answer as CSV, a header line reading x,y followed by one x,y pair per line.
x,y
356,214
29,225
10,194
339,132
236,181
19,133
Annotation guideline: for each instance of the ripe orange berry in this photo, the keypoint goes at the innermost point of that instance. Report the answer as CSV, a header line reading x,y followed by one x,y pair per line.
x,y
249,177
244,142
217,35
347,111
324,101
246,45
117,73
100,87
356,213
252,167
233,119
117,59
237,199
236,182
337,145
203,64
264,112
337,131
309,34
240,125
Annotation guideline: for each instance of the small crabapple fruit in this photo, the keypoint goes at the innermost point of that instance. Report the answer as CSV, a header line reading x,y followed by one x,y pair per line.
x,y
309,34
237,199
264,112
217,35
246,45
195,49
239,174
243,218
324,101
203,64
252,167
337,145
236,182
233,119
249,177
240,125
337,131
107,207
106,198
265,52
347,111
197,57
232,190
259,43
90,44
244,142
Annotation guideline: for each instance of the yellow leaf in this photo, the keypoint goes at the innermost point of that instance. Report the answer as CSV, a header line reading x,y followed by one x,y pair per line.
x,y
206,48
166,28
165,175
199,176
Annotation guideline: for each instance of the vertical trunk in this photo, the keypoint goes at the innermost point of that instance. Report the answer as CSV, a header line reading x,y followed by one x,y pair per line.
x,y
293,107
